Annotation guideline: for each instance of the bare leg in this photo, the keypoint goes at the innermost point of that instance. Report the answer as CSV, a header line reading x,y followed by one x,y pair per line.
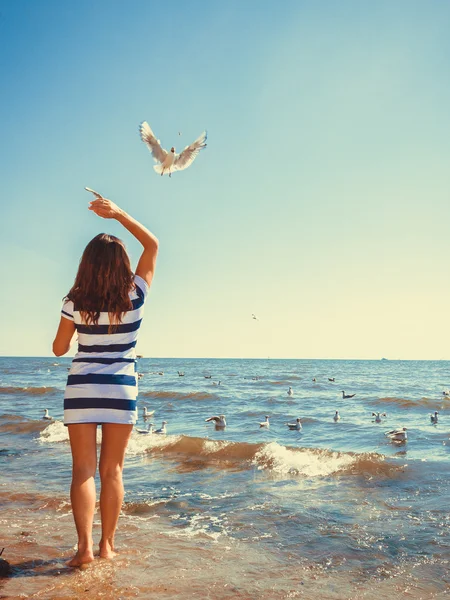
x,y
82,491
114,443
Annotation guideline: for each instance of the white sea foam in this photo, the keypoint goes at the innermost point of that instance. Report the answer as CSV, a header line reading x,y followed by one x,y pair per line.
x,y
305,462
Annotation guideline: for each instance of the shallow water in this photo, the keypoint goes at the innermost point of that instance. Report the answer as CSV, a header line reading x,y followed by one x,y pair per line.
x,y
333,511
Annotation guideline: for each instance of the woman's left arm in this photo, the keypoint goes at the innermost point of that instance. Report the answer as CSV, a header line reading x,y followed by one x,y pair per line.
x,y
64,337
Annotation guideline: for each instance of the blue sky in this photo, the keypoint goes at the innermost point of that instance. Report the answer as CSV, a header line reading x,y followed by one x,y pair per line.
x,y
321,203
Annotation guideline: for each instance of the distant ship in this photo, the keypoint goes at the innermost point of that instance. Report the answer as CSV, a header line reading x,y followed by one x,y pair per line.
x,y
384,359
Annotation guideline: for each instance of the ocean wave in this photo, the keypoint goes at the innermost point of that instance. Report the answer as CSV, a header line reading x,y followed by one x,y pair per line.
x,y
196,453
28,391
430,403
193,453
17,424
162,395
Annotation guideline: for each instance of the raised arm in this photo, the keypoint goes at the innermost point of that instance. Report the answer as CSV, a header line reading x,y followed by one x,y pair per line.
x,y
147,262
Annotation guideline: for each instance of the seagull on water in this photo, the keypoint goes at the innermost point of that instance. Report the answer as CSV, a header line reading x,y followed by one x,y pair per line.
x,y
434,418
331,379
378,416
337,416
162,429
219,421
265,423
147,431
46,416
290,391
147,413
168,162
297,425
446,393
345,396
397,435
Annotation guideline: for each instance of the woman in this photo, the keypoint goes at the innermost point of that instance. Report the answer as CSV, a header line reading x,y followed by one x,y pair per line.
x,y
105,307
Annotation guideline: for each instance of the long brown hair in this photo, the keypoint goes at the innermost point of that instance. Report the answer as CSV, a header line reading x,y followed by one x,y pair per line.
x,y
104,281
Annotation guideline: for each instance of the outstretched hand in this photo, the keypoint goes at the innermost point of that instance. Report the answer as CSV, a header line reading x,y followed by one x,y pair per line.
x,y
105,208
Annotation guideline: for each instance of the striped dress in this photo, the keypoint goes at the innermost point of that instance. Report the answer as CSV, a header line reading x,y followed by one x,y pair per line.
x,y
102,382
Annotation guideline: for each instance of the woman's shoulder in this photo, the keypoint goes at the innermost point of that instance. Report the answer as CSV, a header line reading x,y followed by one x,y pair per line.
x,y
141,284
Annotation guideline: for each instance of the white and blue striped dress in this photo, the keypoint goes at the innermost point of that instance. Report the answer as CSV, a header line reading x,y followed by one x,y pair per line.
x,y
102,382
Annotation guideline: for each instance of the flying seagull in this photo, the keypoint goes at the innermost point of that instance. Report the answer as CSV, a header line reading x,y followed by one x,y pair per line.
x,y
255,317
168,162
219,421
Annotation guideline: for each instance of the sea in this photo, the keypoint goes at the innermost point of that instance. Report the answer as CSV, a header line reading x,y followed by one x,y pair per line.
x,y
337,510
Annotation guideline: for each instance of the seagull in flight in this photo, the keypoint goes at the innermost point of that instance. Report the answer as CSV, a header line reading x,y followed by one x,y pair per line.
x,y
255,317
378,416
168,162
219,421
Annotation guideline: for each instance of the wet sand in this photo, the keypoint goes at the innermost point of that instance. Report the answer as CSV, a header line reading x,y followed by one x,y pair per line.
x,y
153,564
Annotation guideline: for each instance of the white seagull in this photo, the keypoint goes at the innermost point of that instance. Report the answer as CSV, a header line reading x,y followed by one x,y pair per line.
x,y
46,416
290,391
337,416
446,393
219,421
147,431
297,425
397,435
434,418
265,423
378,416
162,429
147,413
168,162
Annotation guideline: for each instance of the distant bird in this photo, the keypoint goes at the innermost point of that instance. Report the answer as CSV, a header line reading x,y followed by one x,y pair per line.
x,y
216,383
169,161
207,376
46,416
180,373
314,379
397,435
330,378
434,418
378,416
160,372
140,375
337,416
219,421
255,317
345,396
265,423
446,393
162,429
297,425
290,391
147,413
147,431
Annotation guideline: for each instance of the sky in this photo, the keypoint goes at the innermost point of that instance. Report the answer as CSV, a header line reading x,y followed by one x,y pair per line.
x,y
321,203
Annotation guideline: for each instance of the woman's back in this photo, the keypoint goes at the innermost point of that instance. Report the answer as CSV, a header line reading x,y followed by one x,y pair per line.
x,y
102,383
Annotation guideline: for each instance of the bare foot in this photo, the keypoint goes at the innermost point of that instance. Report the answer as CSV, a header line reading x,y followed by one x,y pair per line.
x,y
107,550
81,558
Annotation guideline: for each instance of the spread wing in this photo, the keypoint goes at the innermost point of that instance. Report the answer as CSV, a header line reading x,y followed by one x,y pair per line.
x,y
215,419
187,157
154,145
